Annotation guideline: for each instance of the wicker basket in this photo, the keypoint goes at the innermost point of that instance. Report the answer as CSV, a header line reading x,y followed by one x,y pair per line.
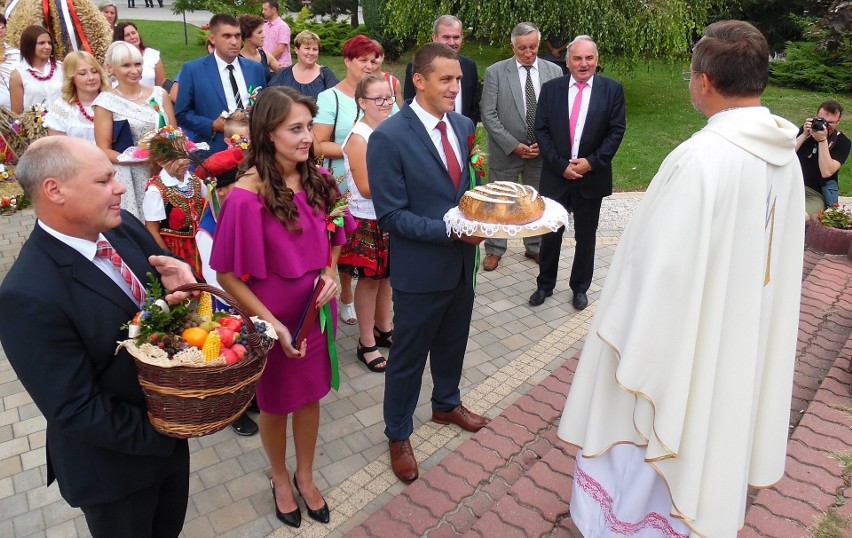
x,y
190,402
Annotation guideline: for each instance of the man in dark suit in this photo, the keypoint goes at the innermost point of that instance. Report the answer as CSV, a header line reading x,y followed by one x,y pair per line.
x,y
61,309
578,137
416,162
448,30
508,108
222,81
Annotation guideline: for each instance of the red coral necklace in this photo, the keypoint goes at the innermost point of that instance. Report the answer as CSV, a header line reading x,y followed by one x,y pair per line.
x,y
38,76
83,111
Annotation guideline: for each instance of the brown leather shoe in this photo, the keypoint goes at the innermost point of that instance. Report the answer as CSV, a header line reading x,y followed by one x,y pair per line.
x,y
534,257
461,417
402,460
490,262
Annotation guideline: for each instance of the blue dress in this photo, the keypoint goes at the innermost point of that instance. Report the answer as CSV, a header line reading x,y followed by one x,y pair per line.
x,y
325,80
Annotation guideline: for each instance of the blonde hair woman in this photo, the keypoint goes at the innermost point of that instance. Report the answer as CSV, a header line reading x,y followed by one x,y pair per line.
x,y
145,108
72,114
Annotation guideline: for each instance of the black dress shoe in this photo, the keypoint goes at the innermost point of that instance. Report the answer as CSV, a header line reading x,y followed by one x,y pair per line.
x,y
322,515
244,425
580,301
294,518
538,297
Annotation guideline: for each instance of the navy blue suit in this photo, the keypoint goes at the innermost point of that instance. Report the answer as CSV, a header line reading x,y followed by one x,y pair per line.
x,y
431,274
469,87
201,96
60,319
602,134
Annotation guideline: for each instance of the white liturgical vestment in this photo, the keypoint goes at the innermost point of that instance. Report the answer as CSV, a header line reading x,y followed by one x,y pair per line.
x,y
690,354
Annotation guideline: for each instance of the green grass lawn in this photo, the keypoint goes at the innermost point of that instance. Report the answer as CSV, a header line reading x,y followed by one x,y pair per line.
x,y
659,112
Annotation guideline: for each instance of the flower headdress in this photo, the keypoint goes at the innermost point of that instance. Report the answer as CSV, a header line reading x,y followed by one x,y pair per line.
x,y
166,145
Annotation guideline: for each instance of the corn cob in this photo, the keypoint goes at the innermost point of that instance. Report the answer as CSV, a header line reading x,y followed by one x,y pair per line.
x,y
212,346
205,306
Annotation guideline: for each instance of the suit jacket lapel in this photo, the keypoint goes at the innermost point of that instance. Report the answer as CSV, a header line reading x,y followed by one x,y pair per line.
x,y
82,270
420,130
515,86
132,256
212,70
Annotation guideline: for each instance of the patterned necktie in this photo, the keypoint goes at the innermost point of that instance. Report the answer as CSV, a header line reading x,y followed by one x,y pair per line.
x,y
575,110
529,94
105,250
452,162
234,88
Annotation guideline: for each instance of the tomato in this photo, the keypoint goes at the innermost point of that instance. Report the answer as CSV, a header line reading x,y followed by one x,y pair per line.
x,y
231,322
195,336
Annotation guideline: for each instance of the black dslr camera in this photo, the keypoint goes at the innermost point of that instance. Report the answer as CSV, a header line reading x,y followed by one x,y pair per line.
x,y
819,124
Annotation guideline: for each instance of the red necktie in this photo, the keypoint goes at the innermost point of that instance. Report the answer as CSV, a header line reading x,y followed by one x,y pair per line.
x,y
575,110
105,250
452,162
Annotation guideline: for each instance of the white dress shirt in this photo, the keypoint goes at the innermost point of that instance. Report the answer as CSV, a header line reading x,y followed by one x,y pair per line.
x,y
522,75
584,108
431,123
226,82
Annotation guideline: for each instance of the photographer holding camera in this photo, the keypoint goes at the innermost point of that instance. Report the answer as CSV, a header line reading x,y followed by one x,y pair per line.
x,y
822,150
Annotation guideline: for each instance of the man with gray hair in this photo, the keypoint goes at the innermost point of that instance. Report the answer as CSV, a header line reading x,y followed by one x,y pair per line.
x,y
509,98
681,398
448,30
77,279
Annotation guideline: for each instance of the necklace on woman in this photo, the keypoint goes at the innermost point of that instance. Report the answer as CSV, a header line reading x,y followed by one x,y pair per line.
x,y
83,111
138,95
38,76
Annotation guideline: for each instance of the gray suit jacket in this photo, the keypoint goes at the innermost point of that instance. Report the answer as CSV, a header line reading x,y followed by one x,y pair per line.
x,y
502,108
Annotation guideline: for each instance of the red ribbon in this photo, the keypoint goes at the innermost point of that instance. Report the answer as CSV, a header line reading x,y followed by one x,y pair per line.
x,y
78,26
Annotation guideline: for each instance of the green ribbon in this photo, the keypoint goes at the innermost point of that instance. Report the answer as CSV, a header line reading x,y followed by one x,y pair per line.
x,y
476,257
327,327
162,121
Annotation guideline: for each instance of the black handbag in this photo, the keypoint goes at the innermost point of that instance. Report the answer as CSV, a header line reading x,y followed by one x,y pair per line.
x,y
122,138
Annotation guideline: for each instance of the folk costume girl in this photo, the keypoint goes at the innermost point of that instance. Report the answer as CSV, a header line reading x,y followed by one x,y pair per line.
x,y
174,199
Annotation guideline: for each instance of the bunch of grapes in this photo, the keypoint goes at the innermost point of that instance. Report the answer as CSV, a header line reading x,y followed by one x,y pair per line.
x,y
242,337
170,343
193,320
265,340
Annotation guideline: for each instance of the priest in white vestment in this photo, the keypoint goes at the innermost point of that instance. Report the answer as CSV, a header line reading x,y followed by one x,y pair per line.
x,y
682,394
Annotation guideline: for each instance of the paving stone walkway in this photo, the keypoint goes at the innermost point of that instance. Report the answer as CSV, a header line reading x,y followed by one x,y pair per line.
x,y
510,479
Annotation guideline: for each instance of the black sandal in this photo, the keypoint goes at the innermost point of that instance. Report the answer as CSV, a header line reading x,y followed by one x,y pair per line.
x,y
363,350
383,338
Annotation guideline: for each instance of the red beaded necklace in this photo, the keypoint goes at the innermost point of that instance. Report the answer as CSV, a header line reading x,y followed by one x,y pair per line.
x,y
38,76
83,111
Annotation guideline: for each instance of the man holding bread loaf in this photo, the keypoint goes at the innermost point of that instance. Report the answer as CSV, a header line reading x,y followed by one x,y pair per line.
x,y
415,162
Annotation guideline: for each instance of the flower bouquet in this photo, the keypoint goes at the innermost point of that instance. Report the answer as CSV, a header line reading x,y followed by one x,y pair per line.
x,y
197,367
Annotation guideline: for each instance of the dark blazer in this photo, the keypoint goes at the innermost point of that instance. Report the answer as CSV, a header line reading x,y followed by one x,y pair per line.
x,y
60,319
469,87
602,134
201,96
412,191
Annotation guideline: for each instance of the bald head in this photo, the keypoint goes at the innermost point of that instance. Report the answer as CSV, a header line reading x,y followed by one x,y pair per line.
x,y
51,156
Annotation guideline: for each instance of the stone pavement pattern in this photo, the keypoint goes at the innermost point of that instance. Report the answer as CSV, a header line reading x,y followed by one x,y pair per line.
x,y
511,479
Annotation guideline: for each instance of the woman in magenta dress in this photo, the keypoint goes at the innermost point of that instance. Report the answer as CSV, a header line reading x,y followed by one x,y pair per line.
x,y
271,245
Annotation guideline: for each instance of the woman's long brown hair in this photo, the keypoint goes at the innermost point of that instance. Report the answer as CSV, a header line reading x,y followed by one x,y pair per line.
x,y
271,109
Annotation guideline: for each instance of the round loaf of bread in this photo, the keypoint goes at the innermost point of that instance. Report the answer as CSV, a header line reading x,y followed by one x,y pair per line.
x,y
502,202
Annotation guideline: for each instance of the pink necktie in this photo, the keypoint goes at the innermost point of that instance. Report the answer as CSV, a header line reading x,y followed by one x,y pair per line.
x,y
452,162
105,250
575,110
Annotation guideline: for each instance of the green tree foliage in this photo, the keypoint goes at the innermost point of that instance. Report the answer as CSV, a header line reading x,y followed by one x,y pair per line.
x,y
333,34
778,20
234,7
823,60
375,20
631,28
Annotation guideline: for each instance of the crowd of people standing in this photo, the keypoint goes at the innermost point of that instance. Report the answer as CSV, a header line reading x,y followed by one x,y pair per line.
x,y
308,141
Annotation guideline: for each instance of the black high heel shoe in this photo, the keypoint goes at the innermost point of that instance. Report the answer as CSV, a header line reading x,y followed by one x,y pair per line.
x,y
322,515
294,518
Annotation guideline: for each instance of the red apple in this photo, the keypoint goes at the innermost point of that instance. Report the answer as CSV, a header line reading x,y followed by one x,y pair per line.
x,y
230,356
226,335
235,324
239,349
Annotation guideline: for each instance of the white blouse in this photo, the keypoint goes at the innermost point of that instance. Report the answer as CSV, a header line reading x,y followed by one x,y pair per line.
x,y
40,91
65,117
149,66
